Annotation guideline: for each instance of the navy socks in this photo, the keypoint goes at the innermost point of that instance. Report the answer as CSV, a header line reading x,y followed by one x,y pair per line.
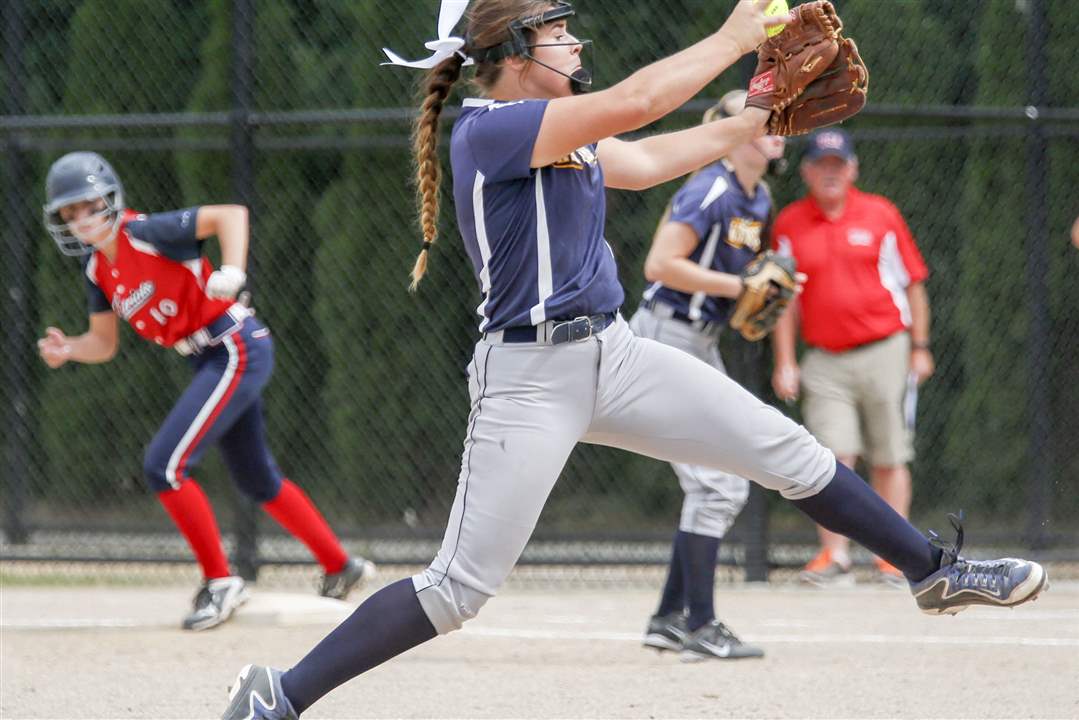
x,y
699,567
673,598
691,578
850,507
385,625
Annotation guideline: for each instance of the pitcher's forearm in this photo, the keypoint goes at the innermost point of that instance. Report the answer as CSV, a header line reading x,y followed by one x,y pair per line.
x,y
665,85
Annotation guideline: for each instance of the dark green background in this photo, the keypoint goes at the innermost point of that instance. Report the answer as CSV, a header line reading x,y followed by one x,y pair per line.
x,y
367,406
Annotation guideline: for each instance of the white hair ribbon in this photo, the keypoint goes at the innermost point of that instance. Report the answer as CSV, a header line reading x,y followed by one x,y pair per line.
x,y
445,46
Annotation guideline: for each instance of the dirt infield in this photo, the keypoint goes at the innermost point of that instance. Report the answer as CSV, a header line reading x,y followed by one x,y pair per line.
x,y
542,653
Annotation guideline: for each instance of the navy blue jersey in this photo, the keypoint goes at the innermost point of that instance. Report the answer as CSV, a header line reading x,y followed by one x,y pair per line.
x,y
535,236
729,224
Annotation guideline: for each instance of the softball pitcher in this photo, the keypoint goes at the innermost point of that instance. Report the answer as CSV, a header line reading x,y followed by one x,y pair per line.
x,y
556,365
149,270
714,227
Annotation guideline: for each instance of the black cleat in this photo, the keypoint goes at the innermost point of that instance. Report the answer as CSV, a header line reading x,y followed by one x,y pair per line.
x,y
715,640
666,632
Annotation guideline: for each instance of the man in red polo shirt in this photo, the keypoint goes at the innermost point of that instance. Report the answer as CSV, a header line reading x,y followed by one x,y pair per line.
x,y
864,313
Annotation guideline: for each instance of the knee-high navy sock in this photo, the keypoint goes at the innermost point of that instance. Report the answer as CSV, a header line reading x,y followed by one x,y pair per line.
x,y
386,624
699,567
674,596
850,507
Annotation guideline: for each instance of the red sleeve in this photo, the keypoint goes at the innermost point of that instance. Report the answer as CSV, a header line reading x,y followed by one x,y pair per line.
x,y
908,249
781,229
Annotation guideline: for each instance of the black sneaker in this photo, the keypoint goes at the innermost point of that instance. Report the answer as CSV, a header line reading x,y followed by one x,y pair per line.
x,y
960,583
666,632
215,602
339,584
257,695
715,640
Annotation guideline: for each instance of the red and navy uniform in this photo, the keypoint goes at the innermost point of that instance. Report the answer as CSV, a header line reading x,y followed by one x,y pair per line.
x,y
157,283
158,280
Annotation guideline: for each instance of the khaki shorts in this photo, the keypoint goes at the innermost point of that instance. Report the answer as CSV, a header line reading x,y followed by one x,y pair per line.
x,y
854,400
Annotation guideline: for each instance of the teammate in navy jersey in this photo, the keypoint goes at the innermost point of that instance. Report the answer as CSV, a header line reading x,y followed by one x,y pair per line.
x,y
150,271
714,227
555,364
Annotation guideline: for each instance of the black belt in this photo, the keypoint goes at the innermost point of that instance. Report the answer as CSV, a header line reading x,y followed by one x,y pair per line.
x,y
558,331
669,311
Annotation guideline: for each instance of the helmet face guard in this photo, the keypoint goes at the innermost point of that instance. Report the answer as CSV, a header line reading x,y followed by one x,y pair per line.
x,y
518,45
75,178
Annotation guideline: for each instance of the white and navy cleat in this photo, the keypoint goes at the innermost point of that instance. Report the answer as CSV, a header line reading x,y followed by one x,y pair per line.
x,y
960,583
257,695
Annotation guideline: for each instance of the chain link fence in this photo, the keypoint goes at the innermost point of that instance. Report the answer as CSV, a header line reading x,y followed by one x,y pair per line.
x,y
972,130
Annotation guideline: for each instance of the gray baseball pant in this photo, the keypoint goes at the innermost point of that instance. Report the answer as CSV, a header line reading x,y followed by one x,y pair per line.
x,y
713,498
532,404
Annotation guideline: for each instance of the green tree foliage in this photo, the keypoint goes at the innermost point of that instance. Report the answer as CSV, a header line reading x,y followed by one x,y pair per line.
x,y
368,403
989,443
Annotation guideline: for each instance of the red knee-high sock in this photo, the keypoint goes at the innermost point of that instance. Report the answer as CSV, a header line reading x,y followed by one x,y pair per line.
x,y
190,509
296,513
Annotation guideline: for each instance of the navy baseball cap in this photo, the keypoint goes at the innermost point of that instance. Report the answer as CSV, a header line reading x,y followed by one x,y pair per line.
x,y
830,141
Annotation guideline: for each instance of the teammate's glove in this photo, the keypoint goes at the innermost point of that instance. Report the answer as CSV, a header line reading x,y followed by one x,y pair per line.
x,y
809,75
769,283
225,282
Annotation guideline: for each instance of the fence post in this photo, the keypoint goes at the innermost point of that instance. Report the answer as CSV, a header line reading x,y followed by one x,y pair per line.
x,y
747,365
745,362
1037,270
241,146
18,266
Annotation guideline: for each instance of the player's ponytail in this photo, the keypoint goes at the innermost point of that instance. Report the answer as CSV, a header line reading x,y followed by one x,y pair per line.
x,y
440,80
488,25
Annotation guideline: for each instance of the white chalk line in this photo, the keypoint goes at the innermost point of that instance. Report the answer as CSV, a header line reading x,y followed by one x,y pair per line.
x,y
589,636
845,638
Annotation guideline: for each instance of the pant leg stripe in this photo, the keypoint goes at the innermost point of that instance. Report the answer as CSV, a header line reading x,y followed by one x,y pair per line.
x,y
468,463
210,410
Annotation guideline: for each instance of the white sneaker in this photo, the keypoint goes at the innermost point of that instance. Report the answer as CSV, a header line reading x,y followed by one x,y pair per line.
x,y
215,602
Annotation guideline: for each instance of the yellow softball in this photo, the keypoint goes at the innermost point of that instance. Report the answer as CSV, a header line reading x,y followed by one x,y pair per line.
x,y
776,7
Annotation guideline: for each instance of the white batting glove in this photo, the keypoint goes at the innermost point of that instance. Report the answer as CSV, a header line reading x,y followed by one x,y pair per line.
x,y
225,282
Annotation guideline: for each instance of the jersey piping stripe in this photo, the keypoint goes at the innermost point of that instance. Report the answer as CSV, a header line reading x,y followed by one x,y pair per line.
x,y
545,281
91,268
485,248
650,292
143,247
210,410
707,256
894,276
719,187
195,268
